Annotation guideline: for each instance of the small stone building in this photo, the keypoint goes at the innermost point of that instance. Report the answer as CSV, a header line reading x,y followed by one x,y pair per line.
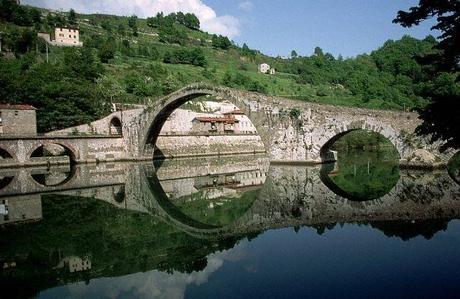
x,y
265,68
18,120
243,124
218,125
67,37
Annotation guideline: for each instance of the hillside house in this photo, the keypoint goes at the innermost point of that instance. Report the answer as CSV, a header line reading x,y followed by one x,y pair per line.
x,y
265,68
67,37
18,120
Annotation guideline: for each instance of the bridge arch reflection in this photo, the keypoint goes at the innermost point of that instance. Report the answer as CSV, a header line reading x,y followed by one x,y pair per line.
x,y
208,197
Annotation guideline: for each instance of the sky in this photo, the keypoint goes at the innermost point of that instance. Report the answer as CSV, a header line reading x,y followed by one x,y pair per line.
x,y
276,27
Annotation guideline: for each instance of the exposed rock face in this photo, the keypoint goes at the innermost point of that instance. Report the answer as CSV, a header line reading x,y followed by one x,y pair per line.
x,y
422,156
53,150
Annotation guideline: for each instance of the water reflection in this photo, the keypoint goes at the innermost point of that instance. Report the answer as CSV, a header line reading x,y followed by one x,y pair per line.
x,y
191,228
360,176
55,176
216,192
454,168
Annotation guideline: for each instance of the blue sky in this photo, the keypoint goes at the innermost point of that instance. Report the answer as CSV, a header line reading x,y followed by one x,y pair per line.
x,y
347,27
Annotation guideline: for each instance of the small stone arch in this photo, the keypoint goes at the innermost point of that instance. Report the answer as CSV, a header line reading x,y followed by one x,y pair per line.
x,y
59,179
119,194
69,150
6,154
115,126
327,155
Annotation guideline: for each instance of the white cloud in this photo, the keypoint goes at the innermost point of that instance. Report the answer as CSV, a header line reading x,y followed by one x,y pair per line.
x,y
152,284
210,21
246,6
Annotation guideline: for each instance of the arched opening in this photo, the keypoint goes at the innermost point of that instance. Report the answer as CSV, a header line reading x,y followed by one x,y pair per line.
x,y
115,127
204,193
4,154
365,167
5,181
54,176
54,153
203,126
119,194
454,167
201,145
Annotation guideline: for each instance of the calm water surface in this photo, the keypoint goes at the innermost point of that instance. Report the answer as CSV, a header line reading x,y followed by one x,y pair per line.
x,y
230,228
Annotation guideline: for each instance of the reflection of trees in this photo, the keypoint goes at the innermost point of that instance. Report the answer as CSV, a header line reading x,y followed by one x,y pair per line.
x,y
366,175
218,212
407,230
403,229
118,242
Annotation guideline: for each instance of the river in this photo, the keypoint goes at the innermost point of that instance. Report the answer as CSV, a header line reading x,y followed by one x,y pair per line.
x,y
230,227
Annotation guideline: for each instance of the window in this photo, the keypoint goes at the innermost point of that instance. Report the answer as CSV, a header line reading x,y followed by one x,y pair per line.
x,y
70,36
1,121
74,36
16,113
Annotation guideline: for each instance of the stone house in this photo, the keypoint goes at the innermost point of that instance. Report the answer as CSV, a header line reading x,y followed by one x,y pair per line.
x,y
243,124
67,37
218,125
18,120
265,68
75,264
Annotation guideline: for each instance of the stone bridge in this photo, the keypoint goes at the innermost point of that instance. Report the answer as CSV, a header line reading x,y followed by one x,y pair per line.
x,y
292,131
290,196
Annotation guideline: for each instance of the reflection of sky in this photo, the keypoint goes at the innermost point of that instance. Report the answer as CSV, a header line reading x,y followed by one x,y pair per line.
x,y
152,284
348,261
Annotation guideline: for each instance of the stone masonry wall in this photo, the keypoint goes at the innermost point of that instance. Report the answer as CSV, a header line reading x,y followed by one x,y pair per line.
x,y
183,146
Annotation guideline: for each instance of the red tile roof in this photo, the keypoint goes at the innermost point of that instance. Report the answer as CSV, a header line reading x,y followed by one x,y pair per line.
x,y
17,107
227,120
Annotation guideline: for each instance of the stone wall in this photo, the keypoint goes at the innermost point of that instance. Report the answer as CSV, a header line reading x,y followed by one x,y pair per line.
x,y
185,146
16,122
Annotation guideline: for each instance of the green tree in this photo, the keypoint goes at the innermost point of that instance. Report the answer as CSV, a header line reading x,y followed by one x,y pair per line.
x,y
221,42
319,52
294,54
132,23
72,18
441,115
191,21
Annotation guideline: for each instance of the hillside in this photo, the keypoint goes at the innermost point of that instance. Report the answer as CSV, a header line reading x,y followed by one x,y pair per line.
x,y
126,59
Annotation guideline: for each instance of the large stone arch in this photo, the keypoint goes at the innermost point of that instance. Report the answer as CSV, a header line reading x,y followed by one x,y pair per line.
x,y
159,113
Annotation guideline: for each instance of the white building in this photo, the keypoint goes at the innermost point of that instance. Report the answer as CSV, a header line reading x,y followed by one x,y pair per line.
x,y
63,37
265,68
67,37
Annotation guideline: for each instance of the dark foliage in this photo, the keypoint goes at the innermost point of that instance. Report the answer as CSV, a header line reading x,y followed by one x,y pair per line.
x,y
221,42
194,57
441,115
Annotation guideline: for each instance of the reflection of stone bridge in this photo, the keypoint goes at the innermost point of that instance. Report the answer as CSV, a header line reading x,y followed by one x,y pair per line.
x,y
291,196
290,130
